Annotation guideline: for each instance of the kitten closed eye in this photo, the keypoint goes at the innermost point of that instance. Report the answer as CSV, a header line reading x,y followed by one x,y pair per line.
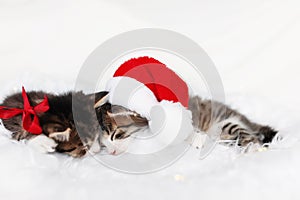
x,y
118,124
121,135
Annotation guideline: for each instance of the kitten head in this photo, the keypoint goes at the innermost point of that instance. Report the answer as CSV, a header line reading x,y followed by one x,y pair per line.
x,y
118,125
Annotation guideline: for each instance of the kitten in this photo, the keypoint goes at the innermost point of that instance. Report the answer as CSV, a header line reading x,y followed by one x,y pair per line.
x,y
57,123
118,125
211,117
208,116
59,131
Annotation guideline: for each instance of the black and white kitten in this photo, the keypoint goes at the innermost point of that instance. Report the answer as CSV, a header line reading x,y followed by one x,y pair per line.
x,y
60,133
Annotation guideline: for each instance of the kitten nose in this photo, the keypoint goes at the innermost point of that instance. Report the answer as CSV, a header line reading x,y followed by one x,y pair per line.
x,y
114,152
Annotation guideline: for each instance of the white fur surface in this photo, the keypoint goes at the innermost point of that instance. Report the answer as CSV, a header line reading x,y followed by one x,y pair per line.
x,y
255,45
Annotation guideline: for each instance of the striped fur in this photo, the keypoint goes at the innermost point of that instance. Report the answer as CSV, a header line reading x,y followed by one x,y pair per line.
x,y
118,124
232,125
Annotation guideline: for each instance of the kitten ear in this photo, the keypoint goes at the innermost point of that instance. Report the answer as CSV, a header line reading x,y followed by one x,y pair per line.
x,y
139,120
100,98
109,114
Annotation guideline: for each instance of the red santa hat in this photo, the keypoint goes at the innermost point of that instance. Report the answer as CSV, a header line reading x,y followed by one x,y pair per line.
x,y
150,88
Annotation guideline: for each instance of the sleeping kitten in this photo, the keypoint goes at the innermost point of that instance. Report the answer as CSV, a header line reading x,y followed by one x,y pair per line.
x,y
59,131
118,125
208,116
217,118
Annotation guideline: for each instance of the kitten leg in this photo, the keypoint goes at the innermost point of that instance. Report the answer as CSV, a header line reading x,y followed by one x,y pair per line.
x,y
96,146
240,134
197,139
61,136
21,135
42,143
263,136
247,138
78,152
230,131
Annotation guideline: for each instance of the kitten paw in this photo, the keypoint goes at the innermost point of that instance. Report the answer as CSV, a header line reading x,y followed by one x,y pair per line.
x,y
61,136
197,140
42,144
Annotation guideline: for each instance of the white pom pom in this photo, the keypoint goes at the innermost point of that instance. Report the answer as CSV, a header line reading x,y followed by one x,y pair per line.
x,y
171,122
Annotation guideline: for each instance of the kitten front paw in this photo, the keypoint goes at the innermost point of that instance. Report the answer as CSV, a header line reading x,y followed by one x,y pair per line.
x,y
61,136
197,139
42,144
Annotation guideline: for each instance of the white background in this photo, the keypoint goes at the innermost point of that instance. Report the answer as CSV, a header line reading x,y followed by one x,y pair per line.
x,y
255,46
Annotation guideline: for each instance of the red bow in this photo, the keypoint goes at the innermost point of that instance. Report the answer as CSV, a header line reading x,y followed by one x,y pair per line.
x,y
30,119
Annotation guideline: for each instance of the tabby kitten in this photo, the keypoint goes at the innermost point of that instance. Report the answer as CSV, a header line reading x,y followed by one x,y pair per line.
x,y
212,118
118,124
216,118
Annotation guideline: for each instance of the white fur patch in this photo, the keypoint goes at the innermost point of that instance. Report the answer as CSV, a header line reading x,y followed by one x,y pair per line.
x,y
61,136
197,139
95,148
42,144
